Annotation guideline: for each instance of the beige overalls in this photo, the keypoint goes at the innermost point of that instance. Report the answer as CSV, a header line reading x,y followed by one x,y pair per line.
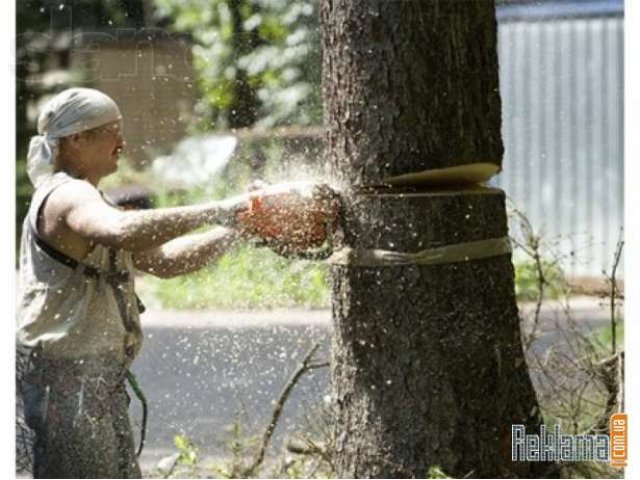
x,y
80,325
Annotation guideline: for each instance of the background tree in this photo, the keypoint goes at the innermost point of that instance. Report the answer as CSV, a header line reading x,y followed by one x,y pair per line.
x,y
427,364
38,22
258,61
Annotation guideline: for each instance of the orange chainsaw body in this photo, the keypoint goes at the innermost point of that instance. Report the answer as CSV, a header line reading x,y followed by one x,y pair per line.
x,y
291,217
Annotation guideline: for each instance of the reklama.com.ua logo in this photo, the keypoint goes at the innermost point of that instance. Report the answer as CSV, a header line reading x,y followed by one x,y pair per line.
x,y
555,446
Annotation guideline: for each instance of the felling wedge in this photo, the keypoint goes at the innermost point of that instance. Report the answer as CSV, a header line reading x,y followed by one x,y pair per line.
x,y
470,174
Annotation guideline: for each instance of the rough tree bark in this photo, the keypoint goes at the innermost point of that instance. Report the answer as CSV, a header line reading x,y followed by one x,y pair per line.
x,y
427,362
244,110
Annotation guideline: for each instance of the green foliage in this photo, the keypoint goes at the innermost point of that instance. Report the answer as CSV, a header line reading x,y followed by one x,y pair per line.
x,y
528,280
239,445
304,466
246,278
256,58
602,337
436,472
187,450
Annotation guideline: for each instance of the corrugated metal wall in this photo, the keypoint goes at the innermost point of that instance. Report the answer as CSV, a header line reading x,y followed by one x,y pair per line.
x,y
562,94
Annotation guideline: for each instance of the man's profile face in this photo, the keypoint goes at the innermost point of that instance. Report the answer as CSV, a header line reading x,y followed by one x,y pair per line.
x,y
103,146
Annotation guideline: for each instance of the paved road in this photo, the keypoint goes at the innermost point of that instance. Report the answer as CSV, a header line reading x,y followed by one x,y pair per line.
x,y
200,369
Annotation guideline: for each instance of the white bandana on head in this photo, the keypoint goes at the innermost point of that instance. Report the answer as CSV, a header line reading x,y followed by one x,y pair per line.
x,y
71,111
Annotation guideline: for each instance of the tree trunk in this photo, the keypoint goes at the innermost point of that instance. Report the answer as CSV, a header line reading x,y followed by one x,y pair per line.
x,y
411,85
244,109
427,364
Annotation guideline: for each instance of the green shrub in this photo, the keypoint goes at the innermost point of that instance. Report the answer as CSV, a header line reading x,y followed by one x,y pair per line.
x,y
527,283
245,278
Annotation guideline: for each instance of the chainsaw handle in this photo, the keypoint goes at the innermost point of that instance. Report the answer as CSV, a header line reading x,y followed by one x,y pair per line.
x,y
316,254
229,211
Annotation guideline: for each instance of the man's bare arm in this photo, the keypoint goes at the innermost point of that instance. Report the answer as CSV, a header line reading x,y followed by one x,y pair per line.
x,y
87,214
186,254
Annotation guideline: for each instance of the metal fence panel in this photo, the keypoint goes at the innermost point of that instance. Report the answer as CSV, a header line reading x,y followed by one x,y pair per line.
x,y
562,94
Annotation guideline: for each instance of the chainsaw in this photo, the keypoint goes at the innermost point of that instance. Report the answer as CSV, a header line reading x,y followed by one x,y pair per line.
x,y
295,219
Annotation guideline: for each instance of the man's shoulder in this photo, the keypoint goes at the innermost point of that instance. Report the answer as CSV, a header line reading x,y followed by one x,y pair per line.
x,y
73,192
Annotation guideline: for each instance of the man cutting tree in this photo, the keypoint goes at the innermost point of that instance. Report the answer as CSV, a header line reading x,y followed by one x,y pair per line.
x,y
79,327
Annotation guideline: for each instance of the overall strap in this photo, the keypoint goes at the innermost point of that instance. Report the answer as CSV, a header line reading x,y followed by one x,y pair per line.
x,y
117,278
52,252
62,258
